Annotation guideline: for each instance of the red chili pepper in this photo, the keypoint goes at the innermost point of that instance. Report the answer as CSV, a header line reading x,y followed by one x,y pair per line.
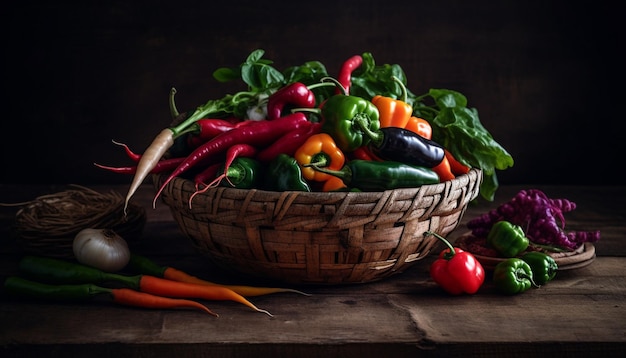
x,y
132,155
364,153
443,170
207,174
207,128
237,150
345,74
456,167
257,133
210,173
161,166
455,270
289,143
297,94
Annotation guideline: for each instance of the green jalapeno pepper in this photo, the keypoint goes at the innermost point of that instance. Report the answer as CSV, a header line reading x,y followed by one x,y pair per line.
x,y
544,267
243,173
339,116
507,239
513,276
368,175
284,174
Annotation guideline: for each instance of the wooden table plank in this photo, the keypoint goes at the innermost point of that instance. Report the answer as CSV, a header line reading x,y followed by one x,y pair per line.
x,y
581,312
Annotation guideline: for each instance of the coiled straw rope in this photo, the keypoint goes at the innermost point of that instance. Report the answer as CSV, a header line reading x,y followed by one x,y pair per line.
x,y
48,224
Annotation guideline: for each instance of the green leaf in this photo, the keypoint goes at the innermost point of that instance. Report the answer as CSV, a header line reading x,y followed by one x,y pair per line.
x,y
460,131
445,98
225,74
308,73
255,56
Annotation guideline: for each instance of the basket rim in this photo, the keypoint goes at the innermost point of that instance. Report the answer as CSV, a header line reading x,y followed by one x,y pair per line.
x,y
473,172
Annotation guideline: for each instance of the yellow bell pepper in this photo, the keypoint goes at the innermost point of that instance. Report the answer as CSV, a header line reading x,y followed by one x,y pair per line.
x,y
319,149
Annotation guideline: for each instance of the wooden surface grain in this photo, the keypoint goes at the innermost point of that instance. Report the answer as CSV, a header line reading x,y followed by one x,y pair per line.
x,y
580,313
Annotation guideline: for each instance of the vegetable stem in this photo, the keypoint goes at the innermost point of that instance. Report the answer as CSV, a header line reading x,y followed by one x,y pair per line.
x,y
173,110
442,239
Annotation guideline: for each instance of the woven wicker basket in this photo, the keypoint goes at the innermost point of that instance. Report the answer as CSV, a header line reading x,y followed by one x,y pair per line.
x,y
316,237
48,224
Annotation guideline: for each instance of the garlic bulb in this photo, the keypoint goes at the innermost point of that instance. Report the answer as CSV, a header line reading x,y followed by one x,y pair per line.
x,y
103,249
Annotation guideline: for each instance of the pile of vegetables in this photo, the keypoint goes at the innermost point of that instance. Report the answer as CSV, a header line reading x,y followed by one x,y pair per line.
x,y
106,267
525,231
458,271
302,129
518,274
536,218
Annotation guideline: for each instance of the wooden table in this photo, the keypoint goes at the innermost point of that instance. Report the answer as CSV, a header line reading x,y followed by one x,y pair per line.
x,y
581,312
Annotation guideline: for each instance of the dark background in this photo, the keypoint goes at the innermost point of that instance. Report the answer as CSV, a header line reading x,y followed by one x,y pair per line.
x,y
545,76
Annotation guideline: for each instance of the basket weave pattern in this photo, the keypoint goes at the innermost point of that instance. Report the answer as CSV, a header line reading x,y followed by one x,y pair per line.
x,y
316,237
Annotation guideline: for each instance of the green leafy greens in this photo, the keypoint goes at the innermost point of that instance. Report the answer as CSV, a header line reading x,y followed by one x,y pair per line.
x,y
455,126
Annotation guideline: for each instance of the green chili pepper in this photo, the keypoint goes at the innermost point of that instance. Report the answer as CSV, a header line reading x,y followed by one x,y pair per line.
x,y
544,267
56,271
26,289
340,113
19,287
243,173
513,276
284,174
507,239
368,175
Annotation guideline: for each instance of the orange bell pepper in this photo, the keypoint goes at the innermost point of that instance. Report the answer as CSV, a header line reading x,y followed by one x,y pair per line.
x,y
393,112
319,149
397,113
420,126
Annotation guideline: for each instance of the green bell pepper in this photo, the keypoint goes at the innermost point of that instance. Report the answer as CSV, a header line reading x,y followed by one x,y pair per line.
x,y
284,174
513,276
507,239
543,265
339,114
243,173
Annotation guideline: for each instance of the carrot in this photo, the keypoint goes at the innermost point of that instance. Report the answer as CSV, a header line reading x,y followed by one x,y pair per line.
x,y
130,297
257,133
146,266
49,269
151,156
168,288
173,274
27,289
456,167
